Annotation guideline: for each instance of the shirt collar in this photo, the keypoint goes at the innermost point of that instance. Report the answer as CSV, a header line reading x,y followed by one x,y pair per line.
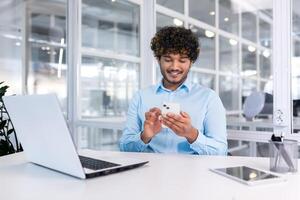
x,y
186,85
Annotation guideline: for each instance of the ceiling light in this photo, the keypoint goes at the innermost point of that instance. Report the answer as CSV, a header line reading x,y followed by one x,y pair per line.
x,y
232,42
226,19
18,43
209,34
212,13
266,43
251,48
249,73
194,30
266,53
177,22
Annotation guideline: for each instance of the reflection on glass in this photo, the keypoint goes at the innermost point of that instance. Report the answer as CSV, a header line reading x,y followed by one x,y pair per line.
x,y
228,55
206,57
249,61
98,138
262,86
265,64
111,25
248,86
107,85
11,41
229,93
295,60
296,47
296,70
203,10
229,16
249,26
164,20
266,86
265,36
47,50
296,18
177,5
207,80
254,22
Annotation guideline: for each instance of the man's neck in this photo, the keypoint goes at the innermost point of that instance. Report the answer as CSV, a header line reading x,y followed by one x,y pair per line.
x,y
171,86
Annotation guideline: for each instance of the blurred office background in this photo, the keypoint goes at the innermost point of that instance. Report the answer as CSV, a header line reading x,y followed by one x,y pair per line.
x,y
108,59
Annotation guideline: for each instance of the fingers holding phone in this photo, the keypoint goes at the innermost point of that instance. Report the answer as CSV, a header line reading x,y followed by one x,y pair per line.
x,y
152,124
181,125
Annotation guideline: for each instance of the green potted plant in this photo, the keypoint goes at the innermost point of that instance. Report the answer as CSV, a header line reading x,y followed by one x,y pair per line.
x,y
6,128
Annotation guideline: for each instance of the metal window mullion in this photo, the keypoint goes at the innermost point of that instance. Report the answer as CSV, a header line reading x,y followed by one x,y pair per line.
x,y
240,56
186,13
228,74
74,62
25,48
138,2
203,70
148,28
217,49
102,124
169,12
282,66
86,51
257,51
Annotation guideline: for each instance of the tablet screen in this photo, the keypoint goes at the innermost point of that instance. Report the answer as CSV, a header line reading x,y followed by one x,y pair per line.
x,y
246,173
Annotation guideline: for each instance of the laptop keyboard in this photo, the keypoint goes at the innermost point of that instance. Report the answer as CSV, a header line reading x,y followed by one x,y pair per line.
x,y
95,164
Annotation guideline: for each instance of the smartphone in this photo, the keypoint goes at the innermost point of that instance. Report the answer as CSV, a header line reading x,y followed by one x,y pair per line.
x,y
170,107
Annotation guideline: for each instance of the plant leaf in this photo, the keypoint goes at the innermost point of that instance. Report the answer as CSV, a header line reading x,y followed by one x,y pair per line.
x,y
10,131
2,124
4,148
3,90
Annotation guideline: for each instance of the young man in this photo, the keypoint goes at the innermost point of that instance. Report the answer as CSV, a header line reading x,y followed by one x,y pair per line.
x,y
200,128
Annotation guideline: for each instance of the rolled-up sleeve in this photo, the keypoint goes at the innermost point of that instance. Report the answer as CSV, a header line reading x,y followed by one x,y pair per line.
x,y
213,139
131,137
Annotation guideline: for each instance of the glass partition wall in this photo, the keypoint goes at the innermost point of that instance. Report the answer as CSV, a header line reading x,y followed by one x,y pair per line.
x,y
295,62
236,59
109,70
34,51
46,69
235,56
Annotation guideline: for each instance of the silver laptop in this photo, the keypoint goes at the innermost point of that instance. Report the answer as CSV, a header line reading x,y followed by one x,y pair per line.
x,y
45,138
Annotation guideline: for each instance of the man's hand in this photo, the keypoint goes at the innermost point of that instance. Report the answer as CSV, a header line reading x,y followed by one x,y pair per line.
x,y
181,125
152,124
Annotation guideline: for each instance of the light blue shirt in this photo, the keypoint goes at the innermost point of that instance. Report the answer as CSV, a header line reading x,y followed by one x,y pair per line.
x,y
203,106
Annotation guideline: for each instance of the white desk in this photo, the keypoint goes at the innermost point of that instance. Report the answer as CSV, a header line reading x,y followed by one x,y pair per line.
x,y
169,177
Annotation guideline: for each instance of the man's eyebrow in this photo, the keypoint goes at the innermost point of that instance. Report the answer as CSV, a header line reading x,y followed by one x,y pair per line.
x,y
183,57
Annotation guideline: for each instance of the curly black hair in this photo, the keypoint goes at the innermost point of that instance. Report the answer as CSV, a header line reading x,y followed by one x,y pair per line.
x,y
177,40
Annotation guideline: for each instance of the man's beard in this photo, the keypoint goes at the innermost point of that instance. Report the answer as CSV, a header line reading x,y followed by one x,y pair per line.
x,y
173,82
